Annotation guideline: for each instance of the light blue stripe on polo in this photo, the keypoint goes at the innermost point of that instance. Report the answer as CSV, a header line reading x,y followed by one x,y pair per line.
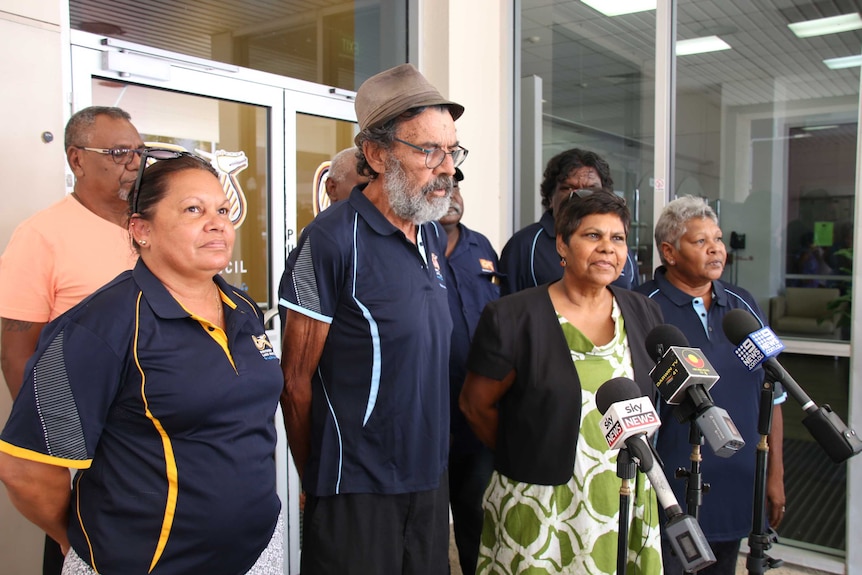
x,y
305,311
337,432
533,256
777,399
745,303
700,311
373,330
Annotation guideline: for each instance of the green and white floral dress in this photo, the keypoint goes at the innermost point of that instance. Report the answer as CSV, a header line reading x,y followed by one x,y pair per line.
x,y
572,528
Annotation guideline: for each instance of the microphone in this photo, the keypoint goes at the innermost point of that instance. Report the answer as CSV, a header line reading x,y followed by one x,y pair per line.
x,y
683,377
627,418
758,345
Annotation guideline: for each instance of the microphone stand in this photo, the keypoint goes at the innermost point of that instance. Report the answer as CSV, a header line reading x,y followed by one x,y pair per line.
x,y
694,486
760,539
625,471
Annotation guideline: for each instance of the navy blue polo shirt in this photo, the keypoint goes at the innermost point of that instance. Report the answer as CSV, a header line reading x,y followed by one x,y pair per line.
x,y
473,282
530,259
170,421
380,399
726,511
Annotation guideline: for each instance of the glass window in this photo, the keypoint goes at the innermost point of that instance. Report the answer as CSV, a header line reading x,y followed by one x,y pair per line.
x,y
328,42
766,131
318,140
597,93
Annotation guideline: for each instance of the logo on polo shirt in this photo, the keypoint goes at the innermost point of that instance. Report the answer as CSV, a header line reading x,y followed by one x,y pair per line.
x,y
487,265
261,342
436,263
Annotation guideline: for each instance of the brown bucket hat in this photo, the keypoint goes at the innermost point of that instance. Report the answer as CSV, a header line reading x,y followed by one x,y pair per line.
x,y
394,91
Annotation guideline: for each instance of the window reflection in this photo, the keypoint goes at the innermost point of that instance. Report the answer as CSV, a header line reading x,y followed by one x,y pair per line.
x,y
767,133
597,89
328,42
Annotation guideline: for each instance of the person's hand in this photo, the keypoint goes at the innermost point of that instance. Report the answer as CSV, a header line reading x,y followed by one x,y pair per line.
x,y
775,501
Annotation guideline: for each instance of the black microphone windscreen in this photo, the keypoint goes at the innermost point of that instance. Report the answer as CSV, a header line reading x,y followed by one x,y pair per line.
x,y
738,324
661,337
614,390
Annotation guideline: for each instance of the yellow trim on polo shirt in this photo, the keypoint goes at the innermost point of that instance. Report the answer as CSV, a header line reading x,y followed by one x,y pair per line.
x,y
215,331
81,523
30,455
170,460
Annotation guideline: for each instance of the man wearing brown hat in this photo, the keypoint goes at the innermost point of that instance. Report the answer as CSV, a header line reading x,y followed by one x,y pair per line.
x,y
366,344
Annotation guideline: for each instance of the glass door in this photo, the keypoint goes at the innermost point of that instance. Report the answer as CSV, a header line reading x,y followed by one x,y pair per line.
x,y
269,137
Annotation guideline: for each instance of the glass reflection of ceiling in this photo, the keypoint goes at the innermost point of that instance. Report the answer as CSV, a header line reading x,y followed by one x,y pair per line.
x,y
567,41
288,37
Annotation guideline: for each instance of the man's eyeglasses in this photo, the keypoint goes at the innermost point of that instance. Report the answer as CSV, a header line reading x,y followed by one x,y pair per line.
x,y
155,154
121,156
436,156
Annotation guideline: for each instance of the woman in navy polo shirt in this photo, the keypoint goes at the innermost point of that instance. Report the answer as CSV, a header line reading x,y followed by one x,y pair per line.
x,y
160,388
688,288
537,359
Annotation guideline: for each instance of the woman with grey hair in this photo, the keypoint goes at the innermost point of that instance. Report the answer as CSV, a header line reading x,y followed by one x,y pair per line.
x,y
672,223
692,296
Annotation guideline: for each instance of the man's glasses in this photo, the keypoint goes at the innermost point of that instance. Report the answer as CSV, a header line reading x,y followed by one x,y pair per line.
x,y
436,156
155,154
121,156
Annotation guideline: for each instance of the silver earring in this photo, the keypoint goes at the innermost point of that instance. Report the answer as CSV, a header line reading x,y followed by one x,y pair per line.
x,y
143,242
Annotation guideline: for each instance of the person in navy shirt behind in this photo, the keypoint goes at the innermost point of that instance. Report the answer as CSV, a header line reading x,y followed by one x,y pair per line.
x,y
471,263
693,298
366,344
530,256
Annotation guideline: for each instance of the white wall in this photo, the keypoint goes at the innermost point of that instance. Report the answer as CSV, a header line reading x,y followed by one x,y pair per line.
x,y
33,178
465,50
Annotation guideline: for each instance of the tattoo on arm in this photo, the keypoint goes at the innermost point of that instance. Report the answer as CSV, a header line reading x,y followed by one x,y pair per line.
x,y
16,325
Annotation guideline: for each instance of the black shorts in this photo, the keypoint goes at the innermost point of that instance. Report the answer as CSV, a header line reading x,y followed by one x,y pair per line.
x,y
367,534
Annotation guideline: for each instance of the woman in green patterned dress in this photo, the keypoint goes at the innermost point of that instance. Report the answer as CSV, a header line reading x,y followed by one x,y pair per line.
x,y
537,359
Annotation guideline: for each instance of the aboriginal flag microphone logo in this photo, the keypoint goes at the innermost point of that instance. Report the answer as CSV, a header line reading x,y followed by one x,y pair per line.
x,y
694,360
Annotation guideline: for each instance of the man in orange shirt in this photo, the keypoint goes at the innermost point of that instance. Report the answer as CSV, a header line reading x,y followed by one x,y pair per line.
x,y
65,252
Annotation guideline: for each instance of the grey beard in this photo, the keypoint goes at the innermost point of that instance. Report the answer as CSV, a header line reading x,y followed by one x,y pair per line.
x,y
415,205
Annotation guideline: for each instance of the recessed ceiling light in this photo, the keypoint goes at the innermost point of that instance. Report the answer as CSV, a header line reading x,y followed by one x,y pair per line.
x,y
843,62
618,7
831,25
701,45
817,128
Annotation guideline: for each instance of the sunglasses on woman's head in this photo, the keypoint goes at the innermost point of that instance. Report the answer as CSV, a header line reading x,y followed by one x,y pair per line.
x,y
157,154
582,193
